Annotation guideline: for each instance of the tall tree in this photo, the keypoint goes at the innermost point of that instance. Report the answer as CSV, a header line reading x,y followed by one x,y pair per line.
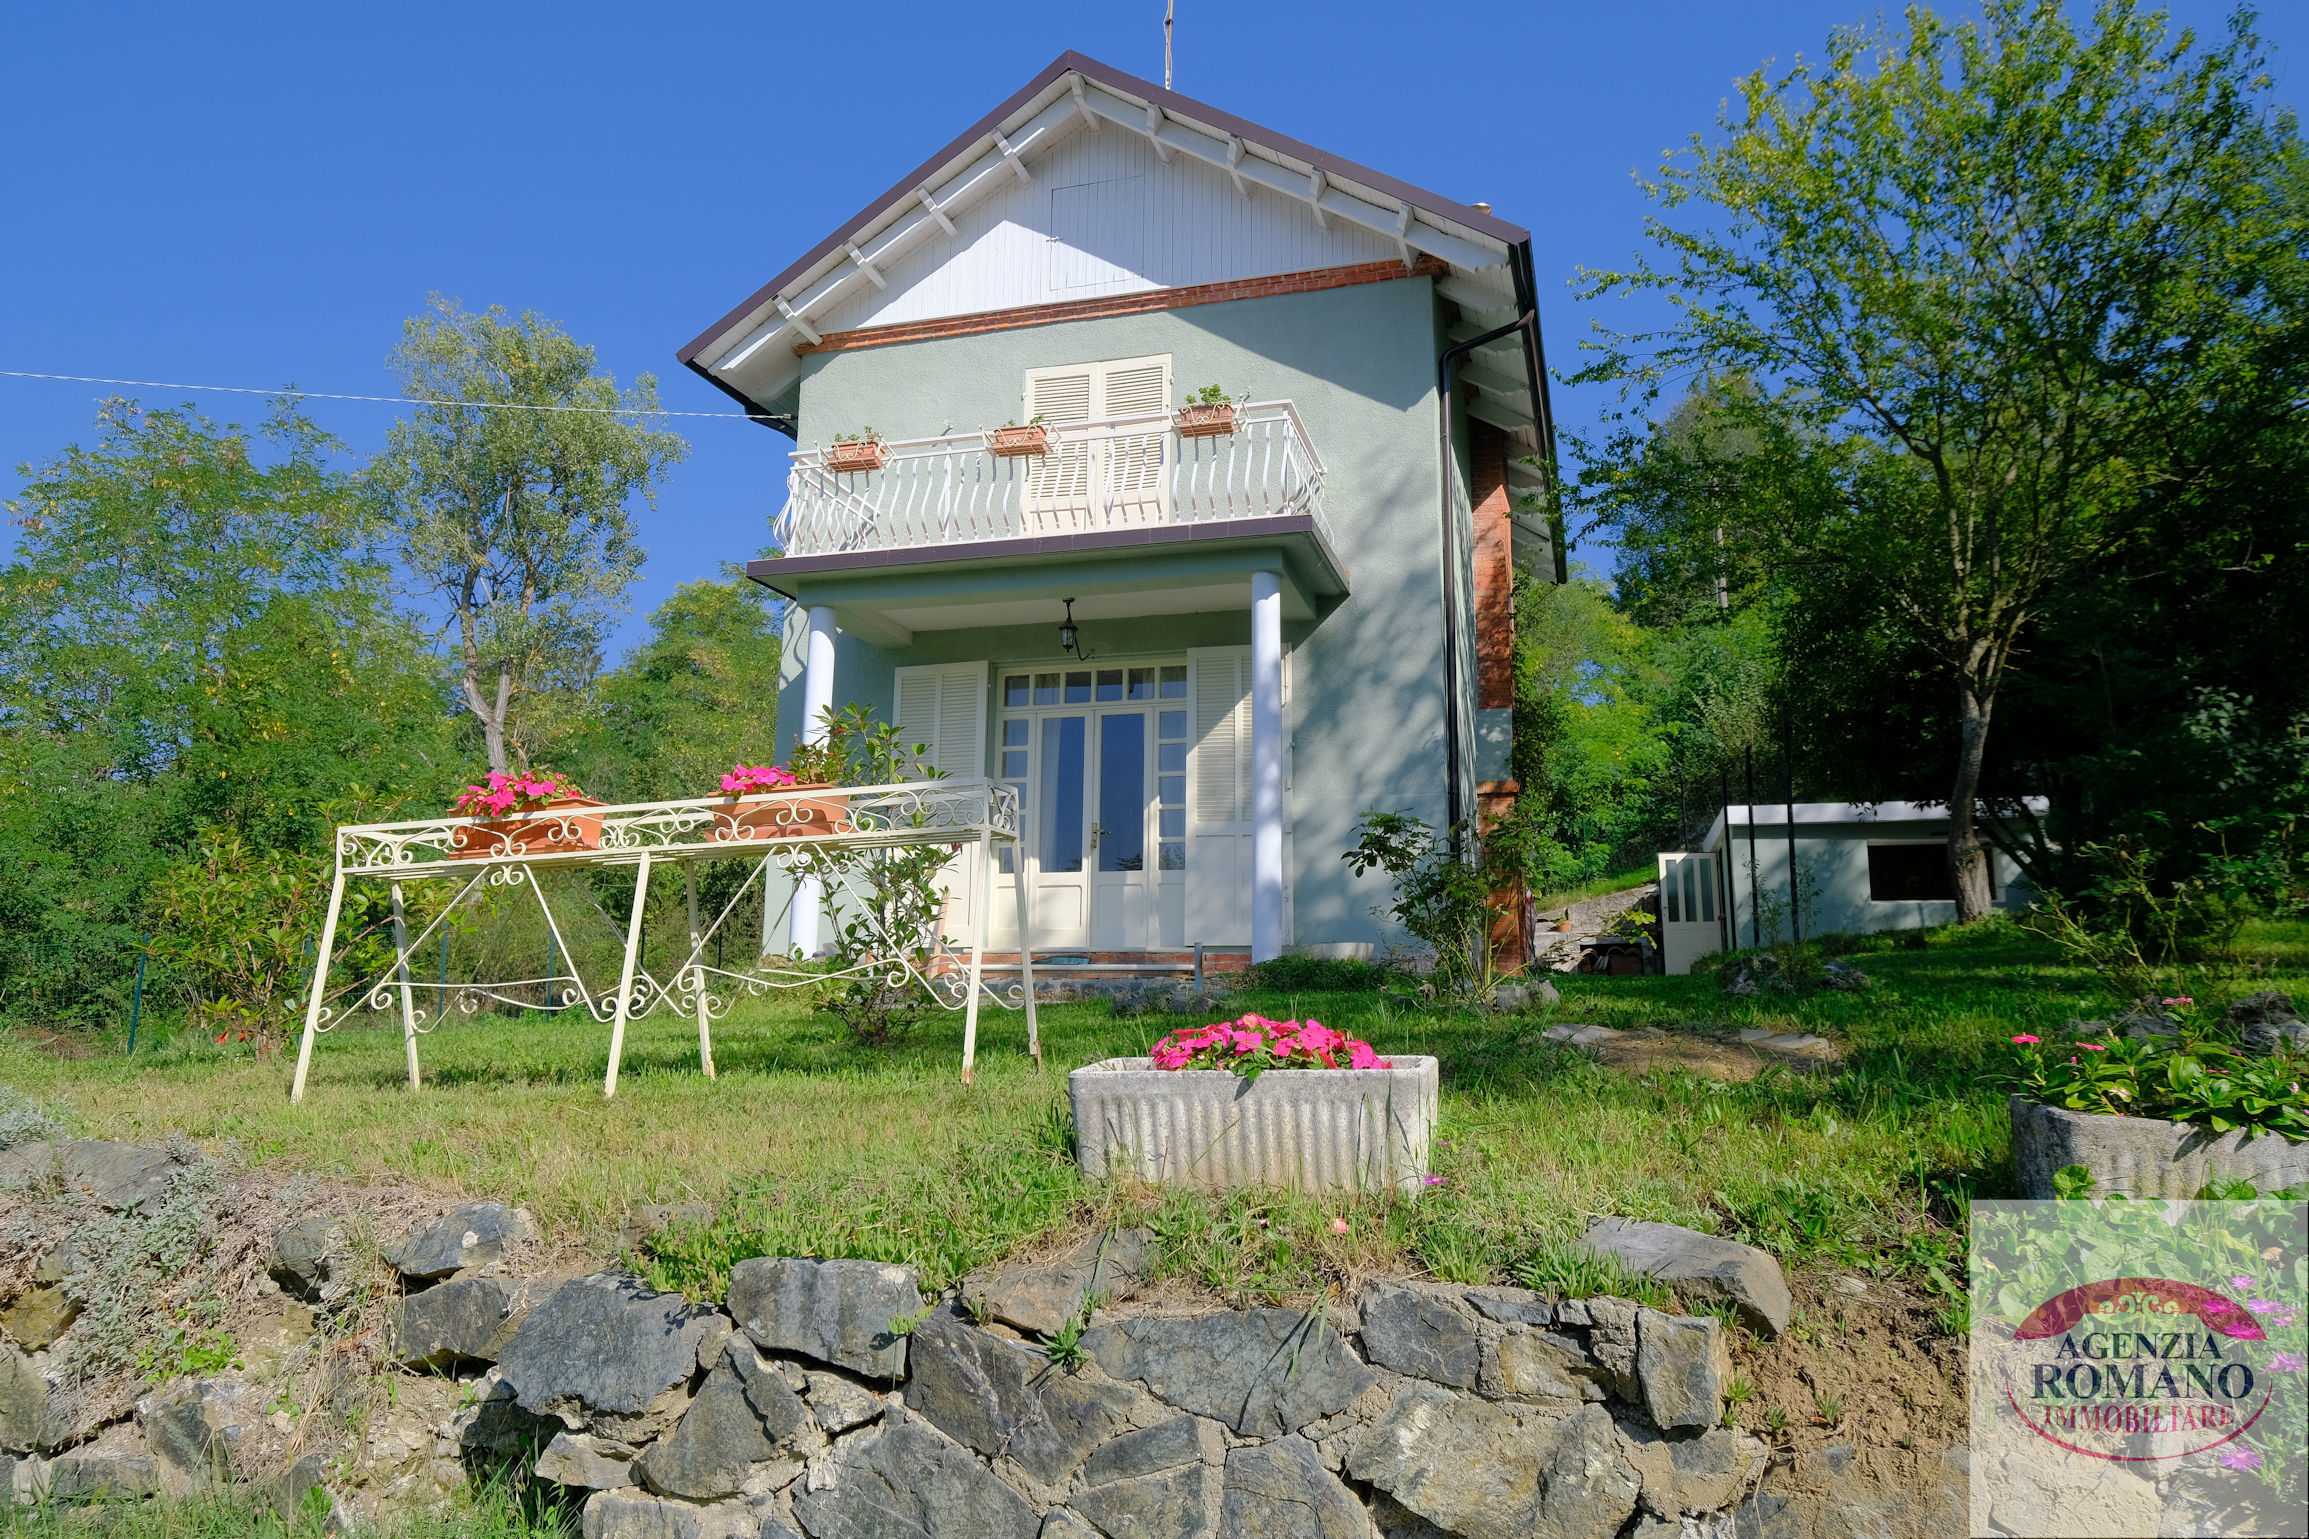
x,y
2005,285
511,491
191,642
693,699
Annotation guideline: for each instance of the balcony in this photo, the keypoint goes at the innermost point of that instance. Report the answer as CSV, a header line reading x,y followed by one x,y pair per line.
x,y
1103,478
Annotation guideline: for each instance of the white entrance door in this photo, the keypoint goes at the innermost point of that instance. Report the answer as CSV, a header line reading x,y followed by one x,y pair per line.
x,y
1122,881
1098,758
1691,926
1060,846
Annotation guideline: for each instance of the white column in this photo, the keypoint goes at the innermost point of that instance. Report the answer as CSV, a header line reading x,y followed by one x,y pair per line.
x,y
817,698
1266,766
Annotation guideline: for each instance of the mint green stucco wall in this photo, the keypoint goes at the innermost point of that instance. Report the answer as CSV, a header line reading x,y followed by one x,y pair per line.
x,y
1367,705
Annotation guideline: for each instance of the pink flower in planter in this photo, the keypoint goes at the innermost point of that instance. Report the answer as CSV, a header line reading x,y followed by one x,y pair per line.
x,y
748,779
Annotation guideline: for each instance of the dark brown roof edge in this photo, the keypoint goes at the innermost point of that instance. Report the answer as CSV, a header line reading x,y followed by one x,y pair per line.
x,y
1089,68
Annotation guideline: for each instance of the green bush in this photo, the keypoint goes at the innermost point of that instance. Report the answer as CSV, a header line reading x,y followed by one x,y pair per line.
x,y
1320,975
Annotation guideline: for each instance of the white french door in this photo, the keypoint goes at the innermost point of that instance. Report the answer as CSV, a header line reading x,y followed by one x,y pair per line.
x,y
1690,926
1098,757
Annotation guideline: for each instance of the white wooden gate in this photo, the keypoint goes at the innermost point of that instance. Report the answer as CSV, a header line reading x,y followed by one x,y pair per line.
x,y
1691,920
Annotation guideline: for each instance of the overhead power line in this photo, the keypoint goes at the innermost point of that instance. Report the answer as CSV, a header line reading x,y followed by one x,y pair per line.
x,y
389,400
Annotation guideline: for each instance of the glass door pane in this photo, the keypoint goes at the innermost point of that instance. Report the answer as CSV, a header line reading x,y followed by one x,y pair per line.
x,y
1122,792
1061,793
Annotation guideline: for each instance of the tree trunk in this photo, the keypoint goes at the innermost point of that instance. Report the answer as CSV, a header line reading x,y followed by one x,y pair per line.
x,y
1967,863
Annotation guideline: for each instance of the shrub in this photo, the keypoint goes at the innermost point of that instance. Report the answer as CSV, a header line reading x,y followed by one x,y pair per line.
x,y
1320,975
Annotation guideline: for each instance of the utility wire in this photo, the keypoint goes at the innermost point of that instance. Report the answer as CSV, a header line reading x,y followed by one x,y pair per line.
x,y
389,400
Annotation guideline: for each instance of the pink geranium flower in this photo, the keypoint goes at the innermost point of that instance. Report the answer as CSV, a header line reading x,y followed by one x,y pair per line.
x,y
2032,1041
2092,1047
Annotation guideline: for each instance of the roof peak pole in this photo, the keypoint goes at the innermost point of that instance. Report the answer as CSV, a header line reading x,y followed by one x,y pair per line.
x,y
1170,13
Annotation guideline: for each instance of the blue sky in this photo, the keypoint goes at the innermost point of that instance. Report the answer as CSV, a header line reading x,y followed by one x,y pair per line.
x,y
258,195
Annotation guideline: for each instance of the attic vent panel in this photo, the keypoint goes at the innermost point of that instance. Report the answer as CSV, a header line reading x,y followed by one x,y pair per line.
x,y
1098,236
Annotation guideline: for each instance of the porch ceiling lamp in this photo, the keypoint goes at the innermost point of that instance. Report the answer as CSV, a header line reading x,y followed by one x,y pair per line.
x,y
1070,635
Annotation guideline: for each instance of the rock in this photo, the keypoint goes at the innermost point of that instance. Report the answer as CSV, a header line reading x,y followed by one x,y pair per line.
x,y
2266,1023
293,1488
1546,994
840,1404
1714,1467
1000,1398
1280,1490
1528,1364
471,1234
461,1320
38,1316
196,1428
102,1474
908,1482
1700,1266
1419,1334
1682,1366
116,1175
1175,1505
1511,1306
1059,1523
837,1312
1165,1445
744,1415
651,1219
635,1514
26,1418
1481,1472
1263,1372
604,1346
1042,1299
1843,975
1509,996
1821,1502
306,1256
592,1463
1611,1342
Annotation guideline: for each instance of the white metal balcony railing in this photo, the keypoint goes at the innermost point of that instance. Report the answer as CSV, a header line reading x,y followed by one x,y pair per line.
x,y
1120,473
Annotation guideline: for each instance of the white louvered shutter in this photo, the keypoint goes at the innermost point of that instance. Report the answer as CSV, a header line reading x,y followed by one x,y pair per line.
x,y
1219,797
943,705
1060,480
1136,387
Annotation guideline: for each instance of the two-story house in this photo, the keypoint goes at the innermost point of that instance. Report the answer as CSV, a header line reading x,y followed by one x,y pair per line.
x,y
1198,649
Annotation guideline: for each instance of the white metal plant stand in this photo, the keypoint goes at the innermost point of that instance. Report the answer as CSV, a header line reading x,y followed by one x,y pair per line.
x,y
784,829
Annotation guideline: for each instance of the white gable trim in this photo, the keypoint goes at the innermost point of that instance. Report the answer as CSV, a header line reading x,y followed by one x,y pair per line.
x,y
760,347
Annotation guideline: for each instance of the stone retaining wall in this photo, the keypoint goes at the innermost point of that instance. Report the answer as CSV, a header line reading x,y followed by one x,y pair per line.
x,y
831,1399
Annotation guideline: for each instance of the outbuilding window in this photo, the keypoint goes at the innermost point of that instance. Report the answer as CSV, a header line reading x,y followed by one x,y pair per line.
x,y
1909,873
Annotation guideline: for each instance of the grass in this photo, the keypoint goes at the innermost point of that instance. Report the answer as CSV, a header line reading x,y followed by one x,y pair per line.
x,y
1618,881
808,1145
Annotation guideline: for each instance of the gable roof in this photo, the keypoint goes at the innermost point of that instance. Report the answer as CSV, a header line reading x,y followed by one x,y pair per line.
x,y
749,353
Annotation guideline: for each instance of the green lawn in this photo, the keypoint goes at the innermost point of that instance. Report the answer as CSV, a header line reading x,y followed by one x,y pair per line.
x,y
807,1144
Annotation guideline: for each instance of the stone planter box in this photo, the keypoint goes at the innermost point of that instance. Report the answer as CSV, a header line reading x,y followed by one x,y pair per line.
x,y
2143,1156
1315,1130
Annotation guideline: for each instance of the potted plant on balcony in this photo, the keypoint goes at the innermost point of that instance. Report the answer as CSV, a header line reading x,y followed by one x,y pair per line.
x,y
525,814
853,453
1208,413
2164,1109
1255,1102
1012,442
812,767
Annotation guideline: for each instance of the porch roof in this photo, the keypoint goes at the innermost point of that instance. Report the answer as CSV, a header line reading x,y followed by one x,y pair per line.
x,y
885,596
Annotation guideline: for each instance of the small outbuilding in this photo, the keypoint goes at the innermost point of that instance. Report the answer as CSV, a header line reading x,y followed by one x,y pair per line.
x,y
1778,871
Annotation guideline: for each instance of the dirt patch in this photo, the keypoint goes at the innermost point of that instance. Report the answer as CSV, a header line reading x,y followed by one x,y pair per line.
x,y
1879,1360
1733,1059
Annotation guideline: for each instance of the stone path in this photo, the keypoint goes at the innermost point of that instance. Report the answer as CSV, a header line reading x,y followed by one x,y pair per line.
x,y
1738,1060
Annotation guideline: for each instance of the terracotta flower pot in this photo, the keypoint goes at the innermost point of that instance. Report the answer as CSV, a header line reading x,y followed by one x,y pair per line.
x,y
1016,443
548,830
785,817
859,454
1206,419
